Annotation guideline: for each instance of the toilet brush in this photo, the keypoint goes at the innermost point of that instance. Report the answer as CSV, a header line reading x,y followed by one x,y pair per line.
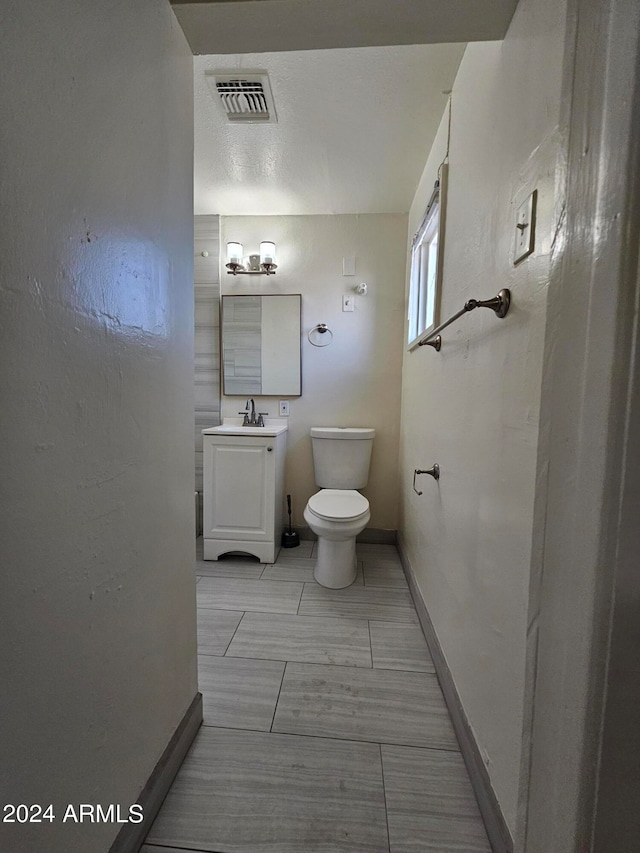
x,y
290,538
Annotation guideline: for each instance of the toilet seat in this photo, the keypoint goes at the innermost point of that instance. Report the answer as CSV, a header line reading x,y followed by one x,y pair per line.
x,y
338,504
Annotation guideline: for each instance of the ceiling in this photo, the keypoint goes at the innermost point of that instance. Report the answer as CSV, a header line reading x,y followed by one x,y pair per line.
x,y
359,89
354,130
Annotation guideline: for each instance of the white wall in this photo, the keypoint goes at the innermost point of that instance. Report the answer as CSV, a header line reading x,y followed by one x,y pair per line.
x,y
96,365
474,407
206,276
356,380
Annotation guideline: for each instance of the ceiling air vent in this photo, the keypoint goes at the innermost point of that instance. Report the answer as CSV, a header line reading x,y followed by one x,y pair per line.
x,y
245,96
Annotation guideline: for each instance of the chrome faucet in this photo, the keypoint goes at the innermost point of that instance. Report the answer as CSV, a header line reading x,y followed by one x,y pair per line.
x,y
249,413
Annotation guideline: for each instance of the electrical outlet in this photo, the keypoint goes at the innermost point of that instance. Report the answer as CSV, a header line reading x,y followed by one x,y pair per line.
x,y
284,408
348,302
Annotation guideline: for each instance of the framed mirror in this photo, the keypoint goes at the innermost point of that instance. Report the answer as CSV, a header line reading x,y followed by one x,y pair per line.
x,y
260,344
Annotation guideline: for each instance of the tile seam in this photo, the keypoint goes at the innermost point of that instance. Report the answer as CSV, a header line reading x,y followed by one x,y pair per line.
x,y
235,632
353,740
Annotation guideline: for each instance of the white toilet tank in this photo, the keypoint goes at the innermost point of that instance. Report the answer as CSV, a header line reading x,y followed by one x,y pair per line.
x,y
341,456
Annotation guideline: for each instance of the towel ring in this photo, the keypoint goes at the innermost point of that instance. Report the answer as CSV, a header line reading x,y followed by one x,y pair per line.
x,y
434,471
320,336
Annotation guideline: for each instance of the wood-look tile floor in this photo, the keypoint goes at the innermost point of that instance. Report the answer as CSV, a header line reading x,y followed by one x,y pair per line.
x,y
325,730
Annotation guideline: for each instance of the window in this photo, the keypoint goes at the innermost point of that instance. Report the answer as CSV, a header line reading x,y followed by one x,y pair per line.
x,y
426,263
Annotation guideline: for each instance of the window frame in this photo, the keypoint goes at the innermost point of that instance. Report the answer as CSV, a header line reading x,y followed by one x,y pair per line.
x,y
425,281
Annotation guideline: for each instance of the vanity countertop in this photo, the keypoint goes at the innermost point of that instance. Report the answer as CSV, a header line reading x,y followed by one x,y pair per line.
x,y
233,426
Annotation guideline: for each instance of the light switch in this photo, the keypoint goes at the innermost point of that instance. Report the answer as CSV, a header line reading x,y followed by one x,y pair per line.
x,y
348,302
348,266
525,228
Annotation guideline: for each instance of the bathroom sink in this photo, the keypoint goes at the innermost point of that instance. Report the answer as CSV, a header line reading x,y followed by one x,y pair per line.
x,y
238,429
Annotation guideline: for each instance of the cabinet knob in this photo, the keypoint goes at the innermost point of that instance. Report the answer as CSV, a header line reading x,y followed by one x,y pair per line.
x,y
269,449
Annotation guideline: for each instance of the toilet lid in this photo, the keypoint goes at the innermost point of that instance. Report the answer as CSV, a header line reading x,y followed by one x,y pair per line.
x,y
338,504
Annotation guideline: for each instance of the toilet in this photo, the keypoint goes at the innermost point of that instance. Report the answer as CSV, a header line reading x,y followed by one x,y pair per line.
x,y
338,513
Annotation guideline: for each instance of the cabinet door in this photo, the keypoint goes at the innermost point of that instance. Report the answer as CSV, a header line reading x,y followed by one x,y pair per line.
x,y
239,488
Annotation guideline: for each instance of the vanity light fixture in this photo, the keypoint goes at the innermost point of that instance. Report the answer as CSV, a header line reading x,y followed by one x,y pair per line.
x,y
263,264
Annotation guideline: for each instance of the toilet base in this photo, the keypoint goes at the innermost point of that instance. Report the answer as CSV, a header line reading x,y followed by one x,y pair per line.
x,y
336,565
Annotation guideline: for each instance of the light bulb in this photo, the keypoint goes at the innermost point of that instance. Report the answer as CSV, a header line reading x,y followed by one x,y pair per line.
x,y
268,253
234,253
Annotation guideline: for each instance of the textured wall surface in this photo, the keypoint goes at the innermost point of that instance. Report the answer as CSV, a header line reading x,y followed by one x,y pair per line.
x,y
97,591
361,152
474,407
356,380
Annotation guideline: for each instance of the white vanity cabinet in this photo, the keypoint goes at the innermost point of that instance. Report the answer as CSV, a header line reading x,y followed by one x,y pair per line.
x,y
243,490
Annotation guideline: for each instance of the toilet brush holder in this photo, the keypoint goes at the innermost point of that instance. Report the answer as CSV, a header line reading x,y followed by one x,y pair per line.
x,y
290,538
